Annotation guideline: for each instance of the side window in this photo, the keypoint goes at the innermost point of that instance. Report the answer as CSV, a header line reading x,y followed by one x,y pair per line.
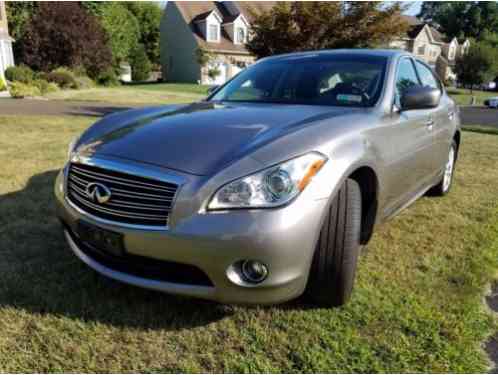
x,y
426,76
406,78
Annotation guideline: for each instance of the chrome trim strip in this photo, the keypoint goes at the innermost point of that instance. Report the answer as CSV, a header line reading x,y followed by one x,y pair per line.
x,y
119,213
129,168
127,183
118,203
116,224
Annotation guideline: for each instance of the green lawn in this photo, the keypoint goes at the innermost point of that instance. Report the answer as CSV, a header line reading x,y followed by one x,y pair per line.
x,y
154,93
417,306
463,96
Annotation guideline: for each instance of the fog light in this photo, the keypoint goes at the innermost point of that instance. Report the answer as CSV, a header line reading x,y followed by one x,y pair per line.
x,y
254,271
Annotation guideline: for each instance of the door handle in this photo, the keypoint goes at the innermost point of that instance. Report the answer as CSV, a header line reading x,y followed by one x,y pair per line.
x,y
430,124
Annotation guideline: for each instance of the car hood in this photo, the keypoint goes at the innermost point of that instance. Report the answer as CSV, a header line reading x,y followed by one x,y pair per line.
x,y
198,138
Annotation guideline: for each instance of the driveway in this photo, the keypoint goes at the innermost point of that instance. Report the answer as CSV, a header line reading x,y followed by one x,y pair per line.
x,y
470,115
479,116
58,108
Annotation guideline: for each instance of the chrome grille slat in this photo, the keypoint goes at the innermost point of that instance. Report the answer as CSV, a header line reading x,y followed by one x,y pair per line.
x,y
133,199
115,212
121,181
121,192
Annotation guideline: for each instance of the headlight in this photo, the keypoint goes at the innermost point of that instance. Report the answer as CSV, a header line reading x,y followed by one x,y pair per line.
x,y
271,187
70,147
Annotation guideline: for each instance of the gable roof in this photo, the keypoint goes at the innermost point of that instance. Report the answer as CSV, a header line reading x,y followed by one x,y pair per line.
x,y
194,11
416,27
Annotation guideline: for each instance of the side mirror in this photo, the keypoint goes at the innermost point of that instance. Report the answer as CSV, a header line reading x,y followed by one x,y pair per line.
x,y
212,89
420,97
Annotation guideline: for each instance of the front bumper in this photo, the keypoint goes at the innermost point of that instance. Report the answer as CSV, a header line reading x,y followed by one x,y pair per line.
x,y
284,239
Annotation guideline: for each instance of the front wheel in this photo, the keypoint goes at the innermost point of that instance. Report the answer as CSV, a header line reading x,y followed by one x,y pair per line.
x,y
444,186
332,272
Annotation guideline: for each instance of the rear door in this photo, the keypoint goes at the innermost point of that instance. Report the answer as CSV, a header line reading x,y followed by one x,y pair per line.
x,y
442,117
410,142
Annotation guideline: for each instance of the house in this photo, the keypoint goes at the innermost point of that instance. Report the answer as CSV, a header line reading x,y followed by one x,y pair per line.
x,y
431,46
6,55
216,29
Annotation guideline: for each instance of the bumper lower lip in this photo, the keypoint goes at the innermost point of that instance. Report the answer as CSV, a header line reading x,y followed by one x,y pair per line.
x,y
183,289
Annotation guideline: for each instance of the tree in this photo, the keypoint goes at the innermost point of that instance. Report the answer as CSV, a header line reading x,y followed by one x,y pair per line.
x,y
18,15
140,64
148,15
460,18
301,26
63,34
477,66
120,25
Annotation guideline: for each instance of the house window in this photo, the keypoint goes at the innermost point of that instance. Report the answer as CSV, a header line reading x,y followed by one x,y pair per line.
x,y
421,50
213,32
240,35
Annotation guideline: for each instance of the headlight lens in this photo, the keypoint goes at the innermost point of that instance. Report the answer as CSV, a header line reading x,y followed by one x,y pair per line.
x,y
70,147
271,187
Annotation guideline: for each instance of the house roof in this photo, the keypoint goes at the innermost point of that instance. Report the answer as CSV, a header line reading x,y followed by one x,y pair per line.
x,y
416,26
194,11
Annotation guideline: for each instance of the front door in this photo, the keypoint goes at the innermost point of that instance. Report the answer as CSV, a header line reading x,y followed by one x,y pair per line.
x,y
409,151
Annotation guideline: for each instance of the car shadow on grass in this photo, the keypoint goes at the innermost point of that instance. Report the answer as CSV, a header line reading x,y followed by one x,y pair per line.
x,y
39,273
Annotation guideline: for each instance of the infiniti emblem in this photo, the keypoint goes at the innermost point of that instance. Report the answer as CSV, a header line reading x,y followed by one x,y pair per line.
x,y
98,193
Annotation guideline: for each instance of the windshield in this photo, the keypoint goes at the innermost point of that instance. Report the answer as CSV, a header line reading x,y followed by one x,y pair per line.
x,y
316,80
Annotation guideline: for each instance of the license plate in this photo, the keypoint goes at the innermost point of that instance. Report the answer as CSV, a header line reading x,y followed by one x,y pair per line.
x,y
101,239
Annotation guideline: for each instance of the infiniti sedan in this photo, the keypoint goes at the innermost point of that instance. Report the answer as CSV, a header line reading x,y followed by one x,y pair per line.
x,y
268,188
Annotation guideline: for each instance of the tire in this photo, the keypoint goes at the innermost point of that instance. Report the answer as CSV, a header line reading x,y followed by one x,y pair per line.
x,y
333,268
444,186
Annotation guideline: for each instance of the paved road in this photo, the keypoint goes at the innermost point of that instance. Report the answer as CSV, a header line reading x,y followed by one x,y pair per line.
x,y
57,108
479,116
470,115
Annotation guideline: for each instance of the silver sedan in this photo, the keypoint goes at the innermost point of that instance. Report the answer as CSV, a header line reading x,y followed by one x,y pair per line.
x,y
268,188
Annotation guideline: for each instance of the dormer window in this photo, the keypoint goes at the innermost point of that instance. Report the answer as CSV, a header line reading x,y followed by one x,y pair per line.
x,y
240,35
213,34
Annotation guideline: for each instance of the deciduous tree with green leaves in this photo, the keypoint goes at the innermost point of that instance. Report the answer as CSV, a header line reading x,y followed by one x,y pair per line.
x,y
148,15
301,26
461,18
121,27
477,66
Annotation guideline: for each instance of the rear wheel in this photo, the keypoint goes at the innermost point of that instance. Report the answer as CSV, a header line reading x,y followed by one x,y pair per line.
x,y
333,268
444,186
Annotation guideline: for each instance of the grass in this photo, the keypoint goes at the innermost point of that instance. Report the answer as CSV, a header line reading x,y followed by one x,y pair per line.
x,y
417,305
481,129
463,96
164,93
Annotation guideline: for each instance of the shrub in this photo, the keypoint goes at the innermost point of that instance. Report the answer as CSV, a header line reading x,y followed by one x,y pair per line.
x,y
21,73
84,82
64,34
3,85
213,73
108,78
140,64
63,77
45,87
21,90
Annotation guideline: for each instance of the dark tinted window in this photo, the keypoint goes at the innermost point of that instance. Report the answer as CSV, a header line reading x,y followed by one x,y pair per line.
x,y
405,78
314,79
426,76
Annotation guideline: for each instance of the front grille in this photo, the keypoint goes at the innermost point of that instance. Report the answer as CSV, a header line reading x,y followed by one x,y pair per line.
x,y
147,268
134,200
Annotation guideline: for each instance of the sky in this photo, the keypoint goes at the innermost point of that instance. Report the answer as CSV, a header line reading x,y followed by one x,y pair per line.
x,y
414,8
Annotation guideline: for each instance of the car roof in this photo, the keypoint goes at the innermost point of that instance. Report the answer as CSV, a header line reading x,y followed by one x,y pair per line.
x,y
387,53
